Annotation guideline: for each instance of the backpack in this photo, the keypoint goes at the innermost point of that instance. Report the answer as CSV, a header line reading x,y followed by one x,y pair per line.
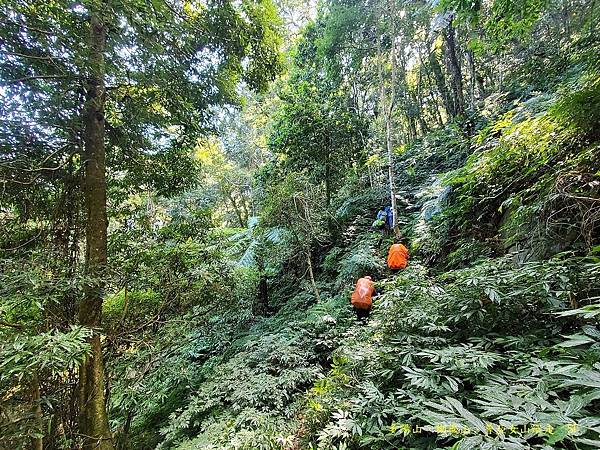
x,y
397,257
362,297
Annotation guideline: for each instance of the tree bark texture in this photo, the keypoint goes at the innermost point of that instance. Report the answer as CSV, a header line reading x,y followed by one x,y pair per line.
x,y
440,81
243,221
454,68
93,419
472,78
388,124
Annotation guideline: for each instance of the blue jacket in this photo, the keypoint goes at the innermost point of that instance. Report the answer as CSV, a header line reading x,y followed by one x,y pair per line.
x,y
389,219
386,216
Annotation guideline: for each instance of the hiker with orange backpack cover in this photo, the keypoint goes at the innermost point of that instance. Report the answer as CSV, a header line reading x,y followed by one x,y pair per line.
x,y
397,257
362,297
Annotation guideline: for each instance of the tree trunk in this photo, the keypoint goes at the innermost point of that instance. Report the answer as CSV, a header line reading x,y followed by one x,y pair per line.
x,y
331,228
418,99
565,19
327,179
93,419
476,86
388,108
243,223
261,305
123,441
388,126
436,111
252,208
480,84
454,68
390,155
440,81
245,213
472,78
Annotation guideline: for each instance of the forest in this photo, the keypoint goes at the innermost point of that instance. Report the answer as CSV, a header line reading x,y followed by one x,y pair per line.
x,y
193,191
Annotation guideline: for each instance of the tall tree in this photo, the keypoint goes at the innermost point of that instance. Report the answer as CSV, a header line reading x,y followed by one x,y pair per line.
x,y
295,203
109,97
388,116
317,128
317,131
93,420
454,68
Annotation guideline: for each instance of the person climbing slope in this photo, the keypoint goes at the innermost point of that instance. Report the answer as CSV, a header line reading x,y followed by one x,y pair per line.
x,y
384,222
384,219
397,257
362,297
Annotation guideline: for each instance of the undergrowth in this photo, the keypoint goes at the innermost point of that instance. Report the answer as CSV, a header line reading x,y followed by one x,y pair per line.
x,y
460,359
489,339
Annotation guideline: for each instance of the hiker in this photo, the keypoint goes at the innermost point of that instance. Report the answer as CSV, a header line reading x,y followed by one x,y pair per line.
x,y
384,219
362,297
397,257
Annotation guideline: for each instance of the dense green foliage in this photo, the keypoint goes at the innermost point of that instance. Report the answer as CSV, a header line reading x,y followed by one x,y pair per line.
x,y
236,234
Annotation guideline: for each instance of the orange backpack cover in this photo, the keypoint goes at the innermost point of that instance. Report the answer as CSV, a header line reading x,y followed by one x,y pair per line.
x,y
362,297
397,257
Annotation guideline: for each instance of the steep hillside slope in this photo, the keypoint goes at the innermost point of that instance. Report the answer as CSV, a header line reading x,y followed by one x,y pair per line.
x,y
488,339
